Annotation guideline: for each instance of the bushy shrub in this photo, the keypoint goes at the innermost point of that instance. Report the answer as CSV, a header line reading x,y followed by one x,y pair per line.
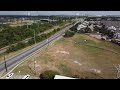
x,y
11,49
49,74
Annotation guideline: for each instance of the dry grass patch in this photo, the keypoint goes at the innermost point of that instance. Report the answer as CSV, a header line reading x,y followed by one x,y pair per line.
x,y
70,58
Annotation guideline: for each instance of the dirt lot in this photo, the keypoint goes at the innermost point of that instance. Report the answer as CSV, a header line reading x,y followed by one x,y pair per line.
x,y
72,57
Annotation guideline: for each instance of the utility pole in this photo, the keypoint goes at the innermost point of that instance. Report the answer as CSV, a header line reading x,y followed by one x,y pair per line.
x,y
34,37
5,64
34,65
27,25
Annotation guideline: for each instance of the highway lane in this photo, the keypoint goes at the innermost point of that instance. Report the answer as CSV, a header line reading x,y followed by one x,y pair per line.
x,y
15,59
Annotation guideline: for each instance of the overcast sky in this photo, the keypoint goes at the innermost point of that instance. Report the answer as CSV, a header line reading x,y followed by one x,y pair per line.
x,y
60,12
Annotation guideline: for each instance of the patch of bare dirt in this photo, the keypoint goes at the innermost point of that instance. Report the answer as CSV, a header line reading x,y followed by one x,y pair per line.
x,y
95,70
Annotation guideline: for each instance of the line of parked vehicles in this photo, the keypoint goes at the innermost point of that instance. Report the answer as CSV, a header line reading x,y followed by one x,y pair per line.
x,y
11,74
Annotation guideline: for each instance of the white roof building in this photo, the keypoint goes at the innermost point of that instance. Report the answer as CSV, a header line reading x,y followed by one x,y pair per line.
x,y
112,28
81,26
62,77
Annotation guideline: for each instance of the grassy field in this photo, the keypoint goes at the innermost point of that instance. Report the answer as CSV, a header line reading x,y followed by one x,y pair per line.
x,y
79,55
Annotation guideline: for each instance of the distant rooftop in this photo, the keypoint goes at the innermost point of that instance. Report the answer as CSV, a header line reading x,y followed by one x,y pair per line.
x,y
62,77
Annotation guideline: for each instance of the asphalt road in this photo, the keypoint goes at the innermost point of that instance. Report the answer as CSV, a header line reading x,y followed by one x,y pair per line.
x,y
23,55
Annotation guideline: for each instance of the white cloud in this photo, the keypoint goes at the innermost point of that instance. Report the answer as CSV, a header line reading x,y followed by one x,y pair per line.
x,y
60,12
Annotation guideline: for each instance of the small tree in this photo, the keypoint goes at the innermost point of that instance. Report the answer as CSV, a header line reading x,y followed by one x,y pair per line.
x,y
49,74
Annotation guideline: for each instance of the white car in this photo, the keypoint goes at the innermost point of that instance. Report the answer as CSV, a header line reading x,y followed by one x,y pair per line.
x,y
9,75
26,76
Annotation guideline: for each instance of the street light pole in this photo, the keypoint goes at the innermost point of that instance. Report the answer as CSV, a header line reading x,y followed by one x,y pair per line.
x,y
5,64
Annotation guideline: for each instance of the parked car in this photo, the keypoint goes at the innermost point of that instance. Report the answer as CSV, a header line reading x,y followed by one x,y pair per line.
x,y
26,76
9,75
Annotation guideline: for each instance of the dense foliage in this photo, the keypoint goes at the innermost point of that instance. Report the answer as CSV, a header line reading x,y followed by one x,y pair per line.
x,y
10,35
69,34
